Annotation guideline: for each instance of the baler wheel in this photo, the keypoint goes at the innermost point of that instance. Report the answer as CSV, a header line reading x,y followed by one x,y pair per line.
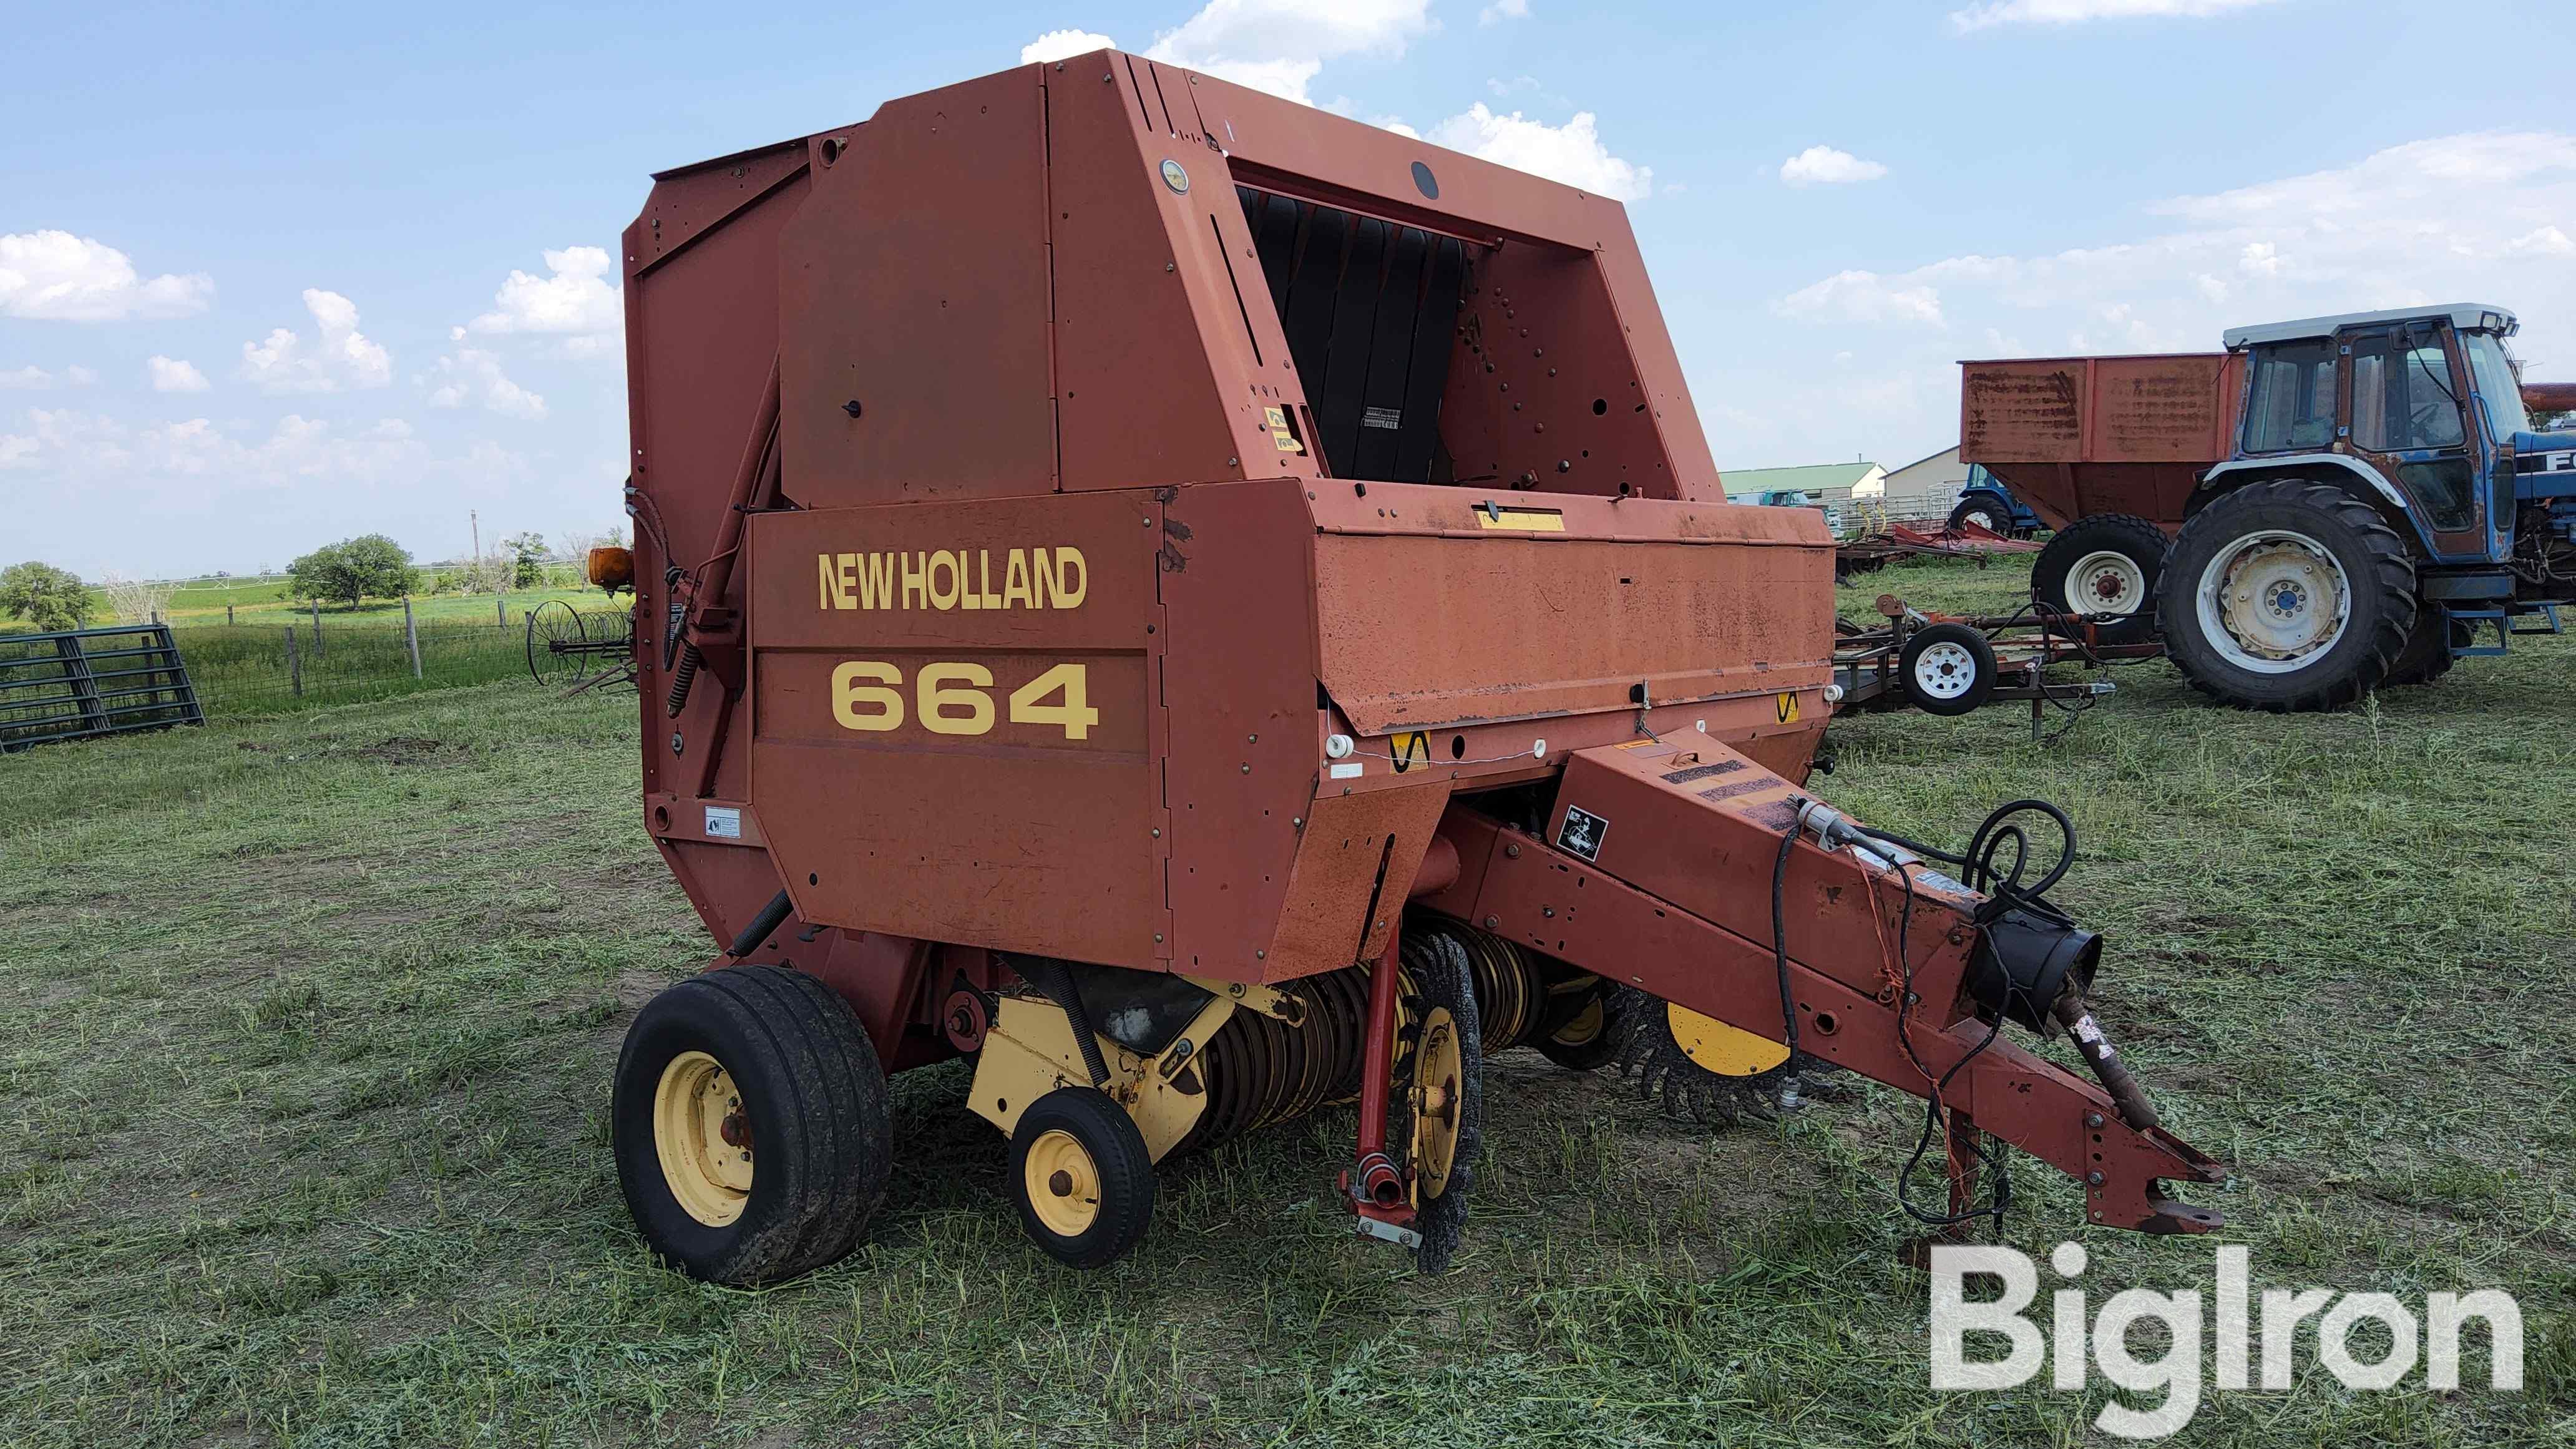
x,y
1585,1040
1082,1177
751,1124
1447,1100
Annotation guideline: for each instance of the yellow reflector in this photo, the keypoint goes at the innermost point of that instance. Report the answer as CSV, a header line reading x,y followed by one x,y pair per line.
x,y
1520,520
1726,1050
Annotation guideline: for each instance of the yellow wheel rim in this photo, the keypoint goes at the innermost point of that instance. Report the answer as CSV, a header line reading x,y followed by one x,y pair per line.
x,y
1436,1075
702,1133
1581,1028
1062,1183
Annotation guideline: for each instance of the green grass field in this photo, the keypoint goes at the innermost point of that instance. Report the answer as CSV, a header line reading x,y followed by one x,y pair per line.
x,y
310,1022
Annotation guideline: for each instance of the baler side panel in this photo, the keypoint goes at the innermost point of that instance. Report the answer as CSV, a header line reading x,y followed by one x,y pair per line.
x,y
702,326
1004,826
914,285
1156,384
1239,695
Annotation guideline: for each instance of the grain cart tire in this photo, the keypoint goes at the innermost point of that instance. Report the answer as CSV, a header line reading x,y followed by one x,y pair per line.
x,y
1984,510
1082,1177
1446,1101
2427,655
2287,595
751,1125
2106,567
1946,669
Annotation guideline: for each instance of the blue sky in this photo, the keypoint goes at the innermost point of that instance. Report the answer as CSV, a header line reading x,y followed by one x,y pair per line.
x,y
273,276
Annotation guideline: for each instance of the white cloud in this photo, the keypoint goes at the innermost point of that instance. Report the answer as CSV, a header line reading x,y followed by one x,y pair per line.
x,y
576,300
1571,153
25,379
1823,165
1280,46
56,276
79,376
172,375
341,357
474,377
1854,296
176,459
1502,10
2072,12
2548,241
1058,44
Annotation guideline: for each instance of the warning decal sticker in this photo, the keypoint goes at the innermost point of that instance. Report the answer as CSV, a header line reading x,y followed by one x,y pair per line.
x,y
1581,833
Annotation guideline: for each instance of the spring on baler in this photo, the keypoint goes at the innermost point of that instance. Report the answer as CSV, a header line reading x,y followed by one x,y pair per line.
x,y
1259,1071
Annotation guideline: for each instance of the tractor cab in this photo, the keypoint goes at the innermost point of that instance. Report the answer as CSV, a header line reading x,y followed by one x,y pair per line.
x,y
2420,406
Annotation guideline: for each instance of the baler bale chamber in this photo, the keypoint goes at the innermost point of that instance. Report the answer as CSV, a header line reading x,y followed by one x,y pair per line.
x,y
1213,610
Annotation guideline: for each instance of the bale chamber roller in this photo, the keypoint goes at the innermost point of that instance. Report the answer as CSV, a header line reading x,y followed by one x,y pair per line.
x,y
1214,610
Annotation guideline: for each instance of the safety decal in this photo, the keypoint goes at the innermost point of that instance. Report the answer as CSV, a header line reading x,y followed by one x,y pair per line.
x,y
1282,436
1786,706
1411,750
724,822
1391,419
1581,833
1701,772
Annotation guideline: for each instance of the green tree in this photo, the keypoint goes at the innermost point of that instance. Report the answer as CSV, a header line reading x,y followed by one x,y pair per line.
x,y
530,551
353,569
48,597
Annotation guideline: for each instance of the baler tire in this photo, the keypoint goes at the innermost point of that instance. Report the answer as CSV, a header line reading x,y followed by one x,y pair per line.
x,y
1587,1050
1448,983
1956,643
2133,538
817,1109
1106,1142
2378,572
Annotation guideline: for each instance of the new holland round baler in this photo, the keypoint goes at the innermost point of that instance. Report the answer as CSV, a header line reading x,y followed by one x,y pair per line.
x,y
1214,610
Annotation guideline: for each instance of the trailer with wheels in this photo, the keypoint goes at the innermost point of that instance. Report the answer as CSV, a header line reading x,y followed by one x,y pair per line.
x,y
2329,506
1953,664
1211,611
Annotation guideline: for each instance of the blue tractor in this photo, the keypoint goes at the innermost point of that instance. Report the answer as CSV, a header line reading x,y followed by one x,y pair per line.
x,y
1985,502
2386,508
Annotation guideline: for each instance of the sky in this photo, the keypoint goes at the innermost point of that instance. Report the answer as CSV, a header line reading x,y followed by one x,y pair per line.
x,y
274,276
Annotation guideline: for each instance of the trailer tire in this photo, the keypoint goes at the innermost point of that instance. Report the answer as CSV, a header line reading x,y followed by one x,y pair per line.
x,y
804,1091
2296,538
1082,1177
2103,565
1946,669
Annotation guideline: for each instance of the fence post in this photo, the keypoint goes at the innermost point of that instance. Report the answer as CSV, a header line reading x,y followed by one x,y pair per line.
x,y
501,608
294,665
317,628
411,636
228,615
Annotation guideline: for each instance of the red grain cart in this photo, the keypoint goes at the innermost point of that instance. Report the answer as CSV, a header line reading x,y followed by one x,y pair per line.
x,y
1215,610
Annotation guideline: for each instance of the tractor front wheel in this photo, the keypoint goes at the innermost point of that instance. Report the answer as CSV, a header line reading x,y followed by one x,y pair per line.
x,y
2287,595
2105,568
752,1126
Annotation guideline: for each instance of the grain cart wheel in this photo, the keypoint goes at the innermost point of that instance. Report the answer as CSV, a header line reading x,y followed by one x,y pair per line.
x,y
2287,595
751,1121
1946,669
2105,566
1447,1100
1082,1177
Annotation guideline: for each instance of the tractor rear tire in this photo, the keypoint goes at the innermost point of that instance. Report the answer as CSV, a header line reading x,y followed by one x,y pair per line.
x,y
2427,655
1946,669
2248,589
752,1127
1984,510
1082,1177
2104,566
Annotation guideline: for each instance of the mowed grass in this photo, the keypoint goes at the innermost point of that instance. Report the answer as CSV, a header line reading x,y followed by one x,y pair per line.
x,y
310,1022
